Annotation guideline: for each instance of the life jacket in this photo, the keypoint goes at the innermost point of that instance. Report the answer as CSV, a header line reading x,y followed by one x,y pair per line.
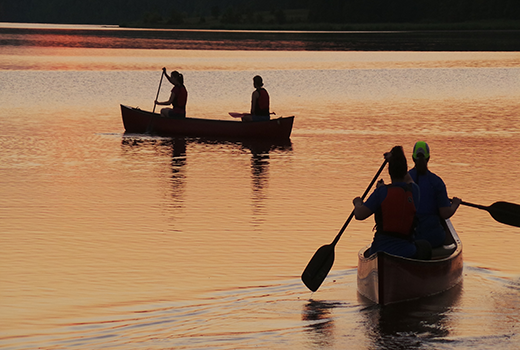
x,y
396,215
262,103
180,99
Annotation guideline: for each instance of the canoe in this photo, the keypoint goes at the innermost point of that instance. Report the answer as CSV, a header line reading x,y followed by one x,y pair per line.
x,y
138,121
385,279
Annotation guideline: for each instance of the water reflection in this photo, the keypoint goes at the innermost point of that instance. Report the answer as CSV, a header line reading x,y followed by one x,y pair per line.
x,y
321,323
173,148
409,325
178,146
260,159
261,151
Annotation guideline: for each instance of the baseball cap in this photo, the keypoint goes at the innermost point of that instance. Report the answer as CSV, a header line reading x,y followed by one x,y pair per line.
x,y
421,147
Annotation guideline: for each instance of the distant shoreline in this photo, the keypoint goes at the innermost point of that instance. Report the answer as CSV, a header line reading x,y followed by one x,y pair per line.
x,y
194,24
260,39
489,26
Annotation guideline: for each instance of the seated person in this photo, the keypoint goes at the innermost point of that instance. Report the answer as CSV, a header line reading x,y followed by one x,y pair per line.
x,y
394,206
259,102
435,206
178,97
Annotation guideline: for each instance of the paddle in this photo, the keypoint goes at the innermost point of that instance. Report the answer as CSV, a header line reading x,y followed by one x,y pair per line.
x,y
158,90
322,261
240,115
504,212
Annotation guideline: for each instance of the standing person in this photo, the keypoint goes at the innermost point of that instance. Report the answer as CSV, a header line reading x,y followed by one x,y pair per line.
x,y
394,206
178,97
435,204
259,102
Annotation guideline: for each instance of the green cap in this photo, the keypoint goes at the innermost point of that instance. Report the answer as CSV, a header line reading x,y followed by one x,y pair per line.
x,y
421,147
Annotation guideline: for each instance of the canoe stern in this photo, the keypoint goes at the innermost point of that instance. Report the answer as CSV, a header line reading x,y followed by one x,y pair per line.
x,y
386,279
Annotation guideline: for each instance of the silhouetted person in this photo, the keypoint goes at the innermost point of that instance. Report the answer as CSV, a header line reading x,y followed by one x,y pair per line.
x,y
259,102
178,97
435,206
394,206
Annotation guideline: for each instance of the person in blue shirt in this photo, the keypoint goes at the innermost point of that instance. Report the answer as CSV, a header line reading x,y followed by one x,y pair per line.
x,y
394,207
435,204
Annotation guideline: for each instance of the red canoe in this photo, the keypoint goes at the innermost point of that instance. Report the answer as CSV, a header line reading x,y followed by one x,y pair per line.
x,y
138,121
386,279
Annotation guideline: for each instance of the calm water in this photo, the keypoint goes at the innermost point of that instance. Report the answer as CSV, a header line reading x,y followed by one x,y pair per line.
x,y
137,242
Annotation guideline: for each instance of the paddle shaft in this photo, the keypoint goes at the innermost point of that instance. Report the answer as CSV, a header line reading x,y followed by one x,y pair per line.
x,y
474,205
158,90
241,115
351,216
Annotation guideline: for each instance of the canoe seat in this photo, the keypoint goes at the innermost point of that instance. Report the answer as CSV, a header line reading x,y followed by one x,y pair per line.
x,y
443,251
437,253
367,254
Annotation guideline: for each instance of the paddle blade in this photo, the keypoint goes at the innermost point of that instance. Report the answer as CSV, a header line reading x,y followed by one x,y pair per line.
x,y
506,213
236,115
318,268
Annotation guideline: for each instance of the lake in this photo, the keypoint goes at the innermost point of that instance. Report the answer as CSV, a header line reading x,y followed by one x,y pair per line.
x,y
123,241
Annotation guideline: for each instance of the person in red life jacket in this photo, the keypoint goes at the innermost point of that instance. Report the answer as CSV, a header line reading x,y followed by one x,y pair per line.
x,y
259,102
394,206
178,97
435,205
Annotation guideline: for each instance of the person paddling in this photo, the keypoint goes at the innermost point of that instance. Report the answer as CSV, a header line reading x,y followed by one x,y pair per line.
x,y
435,205
178,97
394,206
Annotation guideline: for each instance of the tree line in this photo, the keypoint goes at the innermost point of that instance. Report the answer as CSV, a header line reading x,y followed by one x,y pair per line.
x,y
388,11
175,12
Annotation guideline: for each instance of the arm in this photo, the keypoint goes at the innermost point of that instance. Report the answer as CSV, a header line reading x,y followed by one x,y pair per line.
x,y
167,76
254,98
166,103
361,212
447,212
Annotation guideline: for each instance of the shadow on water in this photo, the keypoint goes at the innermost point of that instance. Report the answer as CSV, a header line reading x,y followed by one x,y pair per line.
x,y
410,325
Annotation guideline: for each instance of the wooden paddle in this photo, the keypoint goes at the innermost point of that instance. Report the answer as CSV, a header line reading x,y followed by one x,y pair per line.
x,y
504,212
158,90
322,261
240,115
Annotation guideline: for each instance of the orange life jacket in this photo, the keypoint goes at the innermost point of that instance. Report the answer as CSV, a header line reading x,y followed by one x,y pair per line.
x,y
262,103
396,216
180,99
